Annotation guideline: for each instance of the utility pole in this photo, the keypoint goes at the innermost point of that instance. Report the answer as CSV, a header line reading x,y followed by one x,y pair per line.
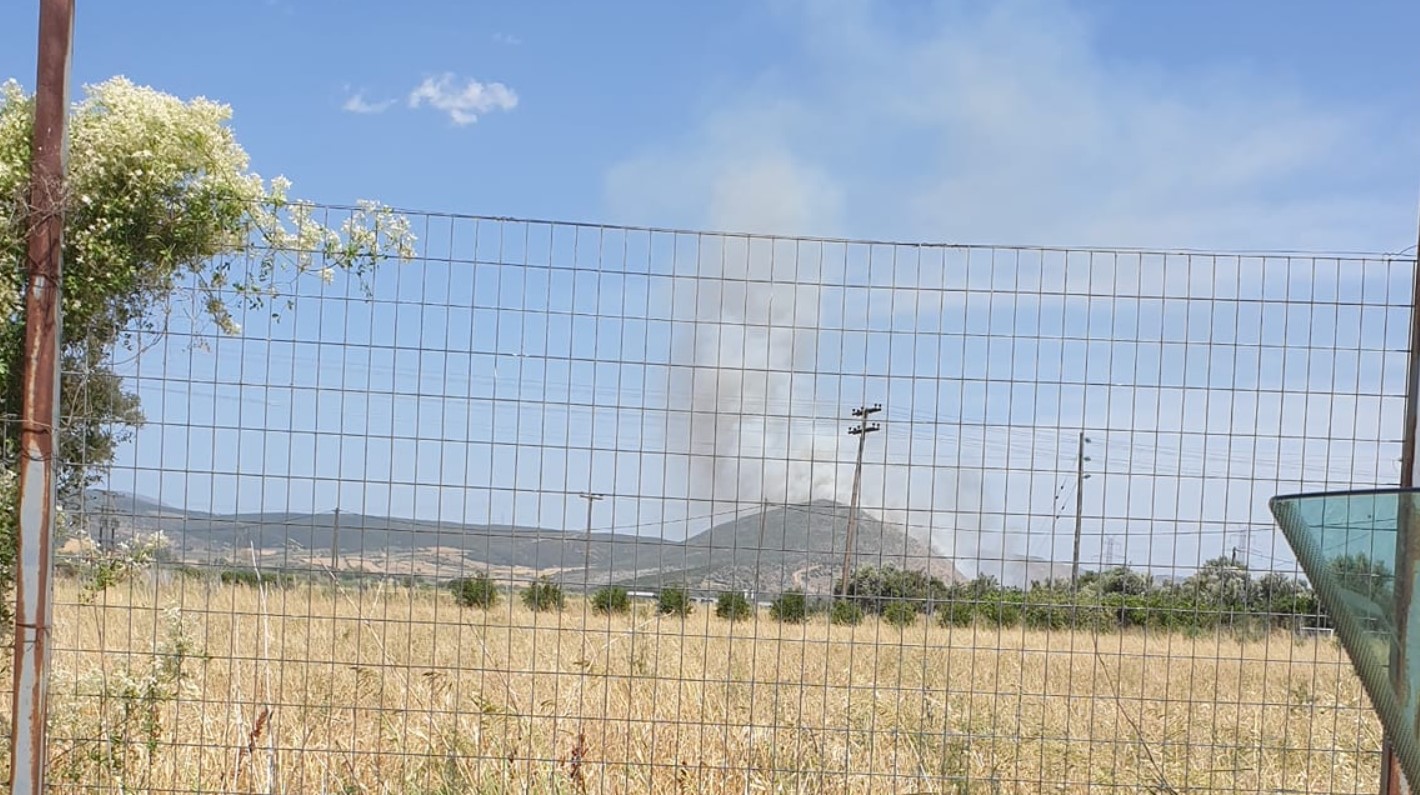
x,y
39,404
759,550
861,430
1080,478
591,498
335,541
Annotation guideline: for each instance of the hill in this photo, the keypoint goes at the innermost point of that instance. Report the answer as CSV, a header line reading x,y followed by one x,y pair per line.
x,y
793,546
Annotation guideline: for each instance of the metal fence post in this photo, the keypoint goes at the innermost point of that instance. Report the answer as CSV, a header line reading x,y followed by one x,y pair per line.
x,y
39,414
1403,656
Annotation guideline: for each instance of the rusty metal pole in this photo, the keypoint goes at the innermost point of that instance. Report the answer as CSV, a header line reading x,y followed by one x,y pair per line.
x,y
39,411
1406,653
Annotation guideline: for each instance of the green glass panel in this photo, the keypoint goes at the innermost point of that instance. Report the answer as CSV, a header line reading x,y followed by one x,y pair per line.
x,y
1346,543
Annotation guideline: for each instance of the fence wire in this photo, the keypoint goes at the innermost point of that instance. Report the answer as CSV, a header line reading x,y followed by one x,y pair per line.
x,y
567,508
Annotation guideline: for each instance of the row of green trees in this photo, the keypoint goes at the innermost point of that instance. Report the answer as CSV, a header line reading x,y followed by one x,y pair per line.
x,y
543,594
1222,593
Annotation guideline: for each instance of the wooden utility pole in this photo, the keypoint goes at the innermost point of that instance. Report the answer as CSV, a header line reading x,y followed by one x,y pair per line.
x,y
335,541
1080,476
759,550
39,406
861,430
591,498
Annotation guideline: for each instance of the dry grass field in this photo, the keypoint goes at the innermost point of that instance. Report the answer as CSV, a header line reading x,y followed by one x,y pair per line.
x,y
193,686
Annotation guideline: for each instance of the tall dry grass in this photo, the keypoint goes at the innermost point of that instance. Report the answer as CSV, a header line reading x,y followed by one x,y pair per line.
x,y
193,686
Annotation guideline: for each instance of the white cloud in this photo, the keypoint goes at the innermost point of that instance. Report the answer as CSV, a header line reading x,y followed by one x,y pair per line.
x,y
1014,125
463,103
507,38
356,103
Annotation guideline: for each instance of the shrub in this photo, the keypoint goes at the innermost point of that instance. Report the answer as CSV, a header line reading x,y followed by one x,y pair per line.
x,y
1044,610
186,571
1150,611
845,614
956,614
9,539
900,614
1001,612
791,607
875,587
733,606
1123,580
131,698
611,599
1058,609
252,578
543,595
673,601
245,577
475,591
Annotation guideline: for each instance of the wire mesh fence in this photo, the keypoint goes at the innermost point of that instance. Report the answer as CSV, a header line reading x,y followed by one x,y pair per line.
x,y
568,508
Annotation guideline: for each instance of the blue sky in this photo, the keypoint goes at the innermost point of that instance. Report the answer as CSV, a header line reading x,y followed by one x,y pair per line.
x,y
1266,125
602,89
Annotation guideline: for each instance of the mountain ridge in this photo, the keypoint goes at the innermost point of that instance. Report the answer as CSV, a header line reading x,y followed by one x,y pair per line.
x,y
793,546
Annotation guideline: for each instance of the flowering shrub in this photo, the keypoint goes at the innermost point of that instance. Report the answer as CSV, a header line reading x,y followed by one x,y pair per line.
x,y
158,190
160,204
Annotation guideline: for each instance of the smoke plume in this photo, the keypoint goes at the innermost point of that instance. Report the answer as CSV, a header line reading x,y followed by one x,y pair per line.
x,y
760,402
761,408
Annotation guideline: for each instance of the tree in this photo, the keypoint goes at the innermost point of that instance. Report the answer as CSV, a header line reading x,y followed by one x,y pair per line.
x,y
1124,580
845,614
611,599
900,614
1222,584
980,587
875,587
733,606
476,591
1362,574
673,601
790,607
158,200
543,595
1284,600
159,203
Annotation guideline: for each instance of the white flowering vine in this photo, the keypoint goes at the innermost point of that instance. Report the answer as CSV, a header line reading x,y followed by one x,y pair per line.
x,y
160,205
160,191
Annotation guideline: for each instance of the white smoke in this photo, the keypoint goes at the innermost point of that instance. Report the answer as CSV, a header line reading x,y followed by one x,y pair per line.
x,y
758,410
749,344
762,409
